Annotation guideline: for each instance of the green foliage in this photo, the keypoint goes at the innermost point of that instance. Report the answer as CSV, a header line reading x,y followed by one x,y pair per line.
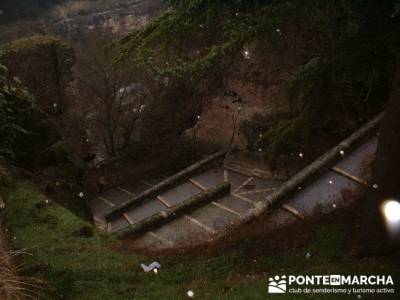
x,y
194,36
338,50
305,91
186,50
343,71
43,63
62,174
78,267
10,130
74,267
15,106
23,126
346,80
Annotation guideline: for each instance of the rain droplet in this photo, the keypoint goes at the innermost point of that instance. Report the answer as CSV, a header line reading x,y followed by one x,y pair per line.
x,y
301,155
391,211
246,53
330,182
375,186
190,294
341,152
308,255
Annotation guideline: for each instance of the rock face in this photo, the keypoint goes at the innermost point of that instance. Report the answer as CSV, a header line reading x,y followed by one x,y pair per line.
x,y
76,18
254,83
255,107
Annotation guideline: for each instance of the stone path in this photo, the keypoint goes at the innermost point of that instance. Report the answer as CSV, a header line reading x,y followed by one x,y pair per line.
x,y
245,190
331,189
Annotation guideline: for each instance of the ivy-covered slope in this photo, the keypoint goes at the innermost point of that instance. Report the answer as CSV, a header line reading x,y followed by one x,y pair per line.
x,y
30,139
338,52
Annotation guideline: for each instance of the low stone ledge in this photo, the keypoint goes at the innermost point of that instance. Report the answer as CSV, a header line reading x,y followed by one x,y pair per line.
x,y
324,161
174,212
162,186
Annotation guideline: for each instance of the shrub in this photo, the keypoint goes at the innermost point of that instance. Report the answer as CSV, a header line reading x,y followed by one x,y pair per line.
x,y
24,129
43,63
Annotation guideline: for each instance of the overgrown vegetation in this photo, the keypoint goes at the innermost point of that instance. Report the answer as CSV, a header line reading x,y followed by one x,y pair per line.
x,y
337,50
43,64
341,74
193,36
78,265
31,138
24,128
345,81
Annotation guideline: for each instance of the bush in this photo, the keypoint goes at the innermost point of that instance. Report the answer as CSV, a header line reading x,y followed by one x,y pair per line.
x,y
24,129
58,153
342,83
43,63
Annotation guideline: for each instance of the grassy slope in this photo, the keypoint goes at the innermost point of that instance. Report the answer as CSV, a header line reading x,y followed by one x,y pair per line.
x,y
88,268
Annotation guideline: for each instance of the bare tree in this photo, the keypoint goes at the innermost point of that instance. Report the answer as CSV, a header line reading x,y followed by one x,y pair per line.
x,y
111,99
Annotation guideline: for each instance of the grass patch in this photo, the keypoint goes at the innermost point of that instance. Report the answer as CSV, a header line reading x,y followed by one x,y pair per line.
x,y
76,267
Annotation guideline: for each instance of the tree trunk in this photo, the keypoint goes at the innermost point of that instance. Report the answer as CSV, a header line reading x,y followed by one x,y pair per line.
x,y
111,142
